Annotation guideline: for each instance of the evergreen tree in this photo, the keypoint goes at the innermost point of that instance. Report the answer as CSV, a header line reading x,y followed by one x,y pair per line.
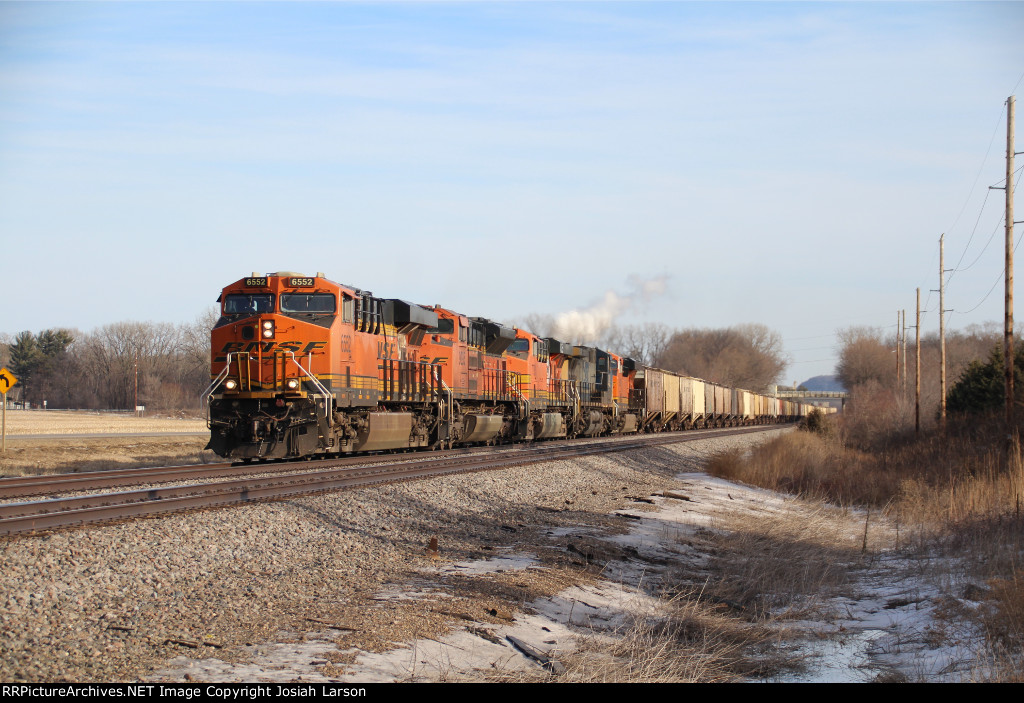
x,y
981,386
25,359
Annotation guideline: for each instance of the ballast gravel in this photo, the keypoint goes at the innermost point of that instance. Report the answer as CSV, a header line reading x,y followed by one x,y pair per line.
x,y
116,603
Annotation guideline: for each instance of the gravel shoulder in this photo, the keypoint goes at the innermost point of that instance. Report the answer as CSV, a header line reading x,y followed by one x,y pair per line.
x,y
120,602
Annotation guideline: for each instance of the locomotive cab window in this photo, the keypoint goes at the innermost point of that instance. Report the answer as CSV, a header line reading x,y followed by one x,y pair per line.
x,y
444,326
248,303
520,347
319,303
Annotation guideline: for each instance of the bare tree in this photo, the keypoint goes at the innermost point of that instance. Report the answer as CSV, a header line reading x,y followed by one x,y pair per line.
x,y
116,357
747,356
866,355
643,342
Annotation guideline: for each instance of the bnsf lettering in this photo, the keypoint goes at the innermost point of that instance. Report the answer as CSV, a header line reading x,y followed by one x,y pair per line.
x,y
270,347
385,350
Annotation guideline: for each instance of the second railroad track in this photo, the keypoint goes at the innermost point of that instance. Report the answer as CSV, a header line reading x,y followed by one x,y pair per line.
x,y
226,485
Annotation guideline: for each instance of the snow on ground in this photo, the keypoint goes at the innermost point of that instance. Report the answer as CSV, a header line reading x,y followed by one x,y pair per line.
x,y
886,626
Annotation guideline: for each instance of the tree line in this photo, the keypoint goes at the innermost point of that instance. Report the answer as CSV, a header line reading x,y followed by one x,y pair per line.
x,y
158,365
171,363
880,407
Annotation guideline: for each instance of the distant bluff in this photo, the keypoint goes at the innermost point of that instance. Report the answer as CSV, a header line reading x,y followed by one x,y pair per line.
x,y
824,383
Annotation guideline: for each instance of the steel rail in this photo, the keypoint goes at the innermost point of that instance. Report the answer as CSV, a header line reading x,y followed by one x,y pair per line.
x,y
33,516
54,484
50,484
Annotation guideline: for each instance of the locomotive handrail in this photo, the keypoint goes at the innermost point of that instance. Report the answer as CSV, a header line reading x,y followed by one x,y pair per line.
x,y
574,396
523,402
208,393
220,377
448,391
328,398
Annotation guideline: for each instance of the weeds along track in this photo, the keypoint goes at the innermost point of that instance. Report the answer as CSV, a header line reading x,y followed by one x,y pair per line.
x,y
248,483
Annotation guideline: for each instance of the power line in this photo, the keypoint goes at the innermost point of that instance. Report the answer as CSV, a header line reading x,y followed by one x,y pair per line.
x,y
974,231
1003,270
974,185
1000,278
983,249
981,211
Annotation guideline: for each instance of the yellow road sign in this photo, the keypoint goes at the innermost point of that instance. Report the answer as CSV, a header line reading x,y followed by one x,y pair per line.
x,y
7,380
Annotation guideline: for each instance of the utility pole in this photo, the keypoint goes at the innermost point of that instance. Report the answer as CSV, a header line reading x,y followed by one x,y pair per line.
x,y
917,370
135,409
942,334
899,344
1008,329
903,390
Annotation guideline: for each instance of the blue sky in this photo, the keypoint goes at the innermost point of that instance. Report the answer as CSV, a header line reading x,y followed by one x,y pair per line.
x,y
789,164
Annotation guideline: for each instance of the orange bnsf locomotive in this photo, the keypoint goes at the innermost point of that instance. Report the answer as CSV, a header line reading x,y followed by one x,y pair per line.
x,y
302,365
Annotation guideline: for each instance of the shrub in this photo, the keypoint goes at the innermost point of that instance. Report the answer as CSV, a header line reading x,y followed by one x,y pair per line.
x,y
980,388
817,422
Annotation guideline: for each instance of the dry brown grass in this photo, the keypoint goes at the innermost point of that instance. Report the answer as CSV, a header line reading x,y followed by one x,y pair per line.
x,y
935,484
728,620
68,422
956,495
65,447
1004,625
691,641
783,565
694,642
809,466
27,457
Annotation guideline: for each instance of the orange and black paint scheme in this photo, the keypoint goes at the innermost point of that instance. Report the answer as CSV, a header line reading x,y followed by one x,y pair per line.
x,y
301,366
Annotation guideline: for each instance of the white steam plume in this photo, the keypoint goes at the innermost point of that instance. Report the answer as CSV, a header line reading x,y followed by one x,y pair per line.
x,y
587,325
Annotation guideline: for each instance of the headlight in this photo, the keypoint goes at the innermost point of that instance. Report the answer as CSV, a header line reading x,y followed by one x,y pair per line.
x,y
292,383
268,329
231,384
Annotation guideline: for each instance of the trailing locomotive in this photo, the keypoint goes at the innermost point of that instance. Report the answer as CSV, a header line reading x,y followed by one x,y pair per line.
x,y
302,365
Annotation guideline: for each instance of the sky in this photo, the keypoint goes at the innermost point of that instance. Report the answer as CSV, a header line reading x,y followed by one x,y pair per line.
x,y
789,164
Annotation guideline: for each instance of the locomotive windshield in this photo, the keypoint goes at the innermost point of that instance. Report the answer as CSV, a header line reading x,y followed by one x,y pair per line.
x,y
308,302
239,303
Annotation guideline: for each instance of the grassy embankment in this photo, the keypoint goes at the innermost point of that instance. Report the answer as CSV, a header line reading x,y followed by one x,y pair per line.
x,y
955,495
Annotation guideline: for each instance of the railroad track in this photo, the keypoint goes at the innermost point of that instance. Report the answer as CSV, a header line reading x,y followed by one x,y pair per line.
x,y
275,481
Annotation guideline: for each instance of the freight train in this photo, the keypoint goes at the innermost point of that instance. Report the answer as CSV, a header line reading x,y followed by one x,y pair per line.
x,y
303,366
